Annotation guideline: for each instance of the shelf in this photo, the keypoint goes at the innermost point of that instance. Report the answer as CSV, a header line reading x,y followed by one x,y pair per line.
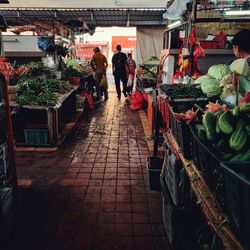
x,y
216,218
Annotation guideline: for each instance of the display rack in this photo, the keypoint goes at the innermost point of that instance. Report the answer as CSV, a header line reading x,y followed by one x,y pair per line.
x,y
217,220
42,125
8,180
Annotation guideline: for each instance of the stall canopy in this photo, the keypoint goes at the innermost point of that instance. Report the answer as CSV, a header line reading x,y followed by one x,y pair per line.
x,y
78,18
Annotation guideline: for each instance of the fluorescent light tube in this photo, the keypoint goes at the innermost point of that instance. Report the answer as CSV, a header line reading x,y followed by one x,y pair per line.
x,y
174,25
237,12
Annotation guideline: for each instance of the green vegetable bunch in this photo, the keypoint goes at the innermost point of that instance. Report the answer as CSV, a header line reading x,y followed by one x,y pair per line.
x,y
71,71
36,91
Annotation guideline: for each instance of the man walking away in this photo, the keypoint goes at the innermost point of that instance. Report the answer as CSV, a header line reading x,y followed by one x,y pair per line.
x,y
119,62
99,64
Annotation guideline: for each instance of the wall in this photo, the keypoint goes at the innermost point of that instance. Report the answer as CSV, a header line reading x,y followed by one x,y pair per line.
x,y
20,43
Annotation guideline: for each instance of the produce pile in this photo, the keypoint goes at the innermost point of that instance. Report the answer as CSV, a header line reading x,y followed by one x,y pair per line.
x,y
73,69
227,131
182,91
36,91
219,80
149,73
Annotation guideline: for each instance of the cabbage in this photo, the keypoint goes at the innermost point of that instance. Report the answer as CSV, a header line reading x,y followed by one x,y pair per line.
x,y
201,79
240,66
211,87
219,71
244,84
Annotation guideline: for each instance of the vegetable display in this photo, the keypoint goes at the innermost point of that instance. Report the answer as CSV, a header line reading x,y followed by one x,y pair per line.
x,y
182,91
36,91
227,131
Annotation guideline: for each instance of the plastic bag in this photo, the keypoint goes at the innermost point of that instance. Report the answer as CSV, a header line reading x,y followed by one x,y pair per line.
x,y
137,101
130,81
89,99
104,82
46,43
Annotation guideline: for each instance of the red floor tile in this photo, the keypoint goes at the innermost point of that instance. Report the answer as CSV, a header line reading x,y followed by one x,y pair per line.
x,y
96,189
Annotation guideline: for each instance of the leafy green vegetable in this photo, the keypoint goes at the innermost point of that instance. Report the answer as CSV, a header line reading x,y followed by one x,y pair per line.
x,y
211,87
219,71
244,84
202,79
36,91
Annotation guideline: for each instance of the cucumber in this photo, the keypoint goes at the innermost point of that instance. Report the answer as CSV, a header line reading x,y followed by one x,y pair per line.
x,y
238,139
209,123
245,108
226,123
201,132
236,111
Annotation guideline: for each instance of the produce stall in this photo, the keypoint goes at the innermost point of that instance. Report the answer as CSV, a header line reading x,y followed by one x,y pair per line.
x,y
42,125
207,139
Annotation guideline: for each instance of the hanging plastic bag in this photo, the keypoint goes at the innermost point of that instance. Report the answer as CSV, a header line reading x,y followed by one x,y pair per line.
x,y
46,43
104,82
130,81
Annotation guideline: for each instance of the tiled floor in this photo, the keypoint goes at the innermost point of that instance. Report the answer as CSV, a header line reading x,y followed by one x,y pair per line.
x,y
94,193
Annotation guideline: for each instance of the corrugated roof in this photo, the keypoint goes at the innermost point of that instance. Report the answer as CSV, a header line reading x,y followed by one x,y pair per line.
x,y
92,17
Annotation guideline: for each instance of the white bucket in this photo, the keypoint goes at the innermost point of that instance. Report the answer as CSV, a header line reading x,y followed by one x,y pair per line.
x,y
80,103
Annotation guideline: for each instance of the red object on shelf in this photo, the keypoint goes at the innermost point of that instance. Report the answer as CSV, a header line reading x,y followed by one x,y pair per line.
x,y
209,44
74,80
221,40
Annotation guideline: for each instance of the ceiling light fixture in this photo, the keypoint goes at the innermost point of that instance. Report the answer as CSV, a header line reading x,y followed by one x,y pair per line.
x,y
237,12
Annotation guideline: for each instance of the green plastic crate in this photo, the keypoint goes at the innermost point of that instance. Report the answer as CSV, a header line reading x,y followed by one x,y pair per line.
x,y
36,137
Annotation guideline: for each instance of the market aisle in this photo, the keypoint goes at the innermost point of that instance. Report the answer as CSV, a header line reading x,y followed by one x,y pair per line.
x,y
94,193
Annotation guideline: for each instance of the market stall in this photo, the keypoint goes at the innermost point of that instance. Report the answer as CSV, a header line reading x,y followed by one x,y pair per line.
x,y
207,125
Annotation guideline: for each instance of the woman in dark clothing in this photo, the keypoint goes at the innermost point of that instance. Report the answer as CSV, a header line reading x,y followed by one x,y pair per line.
x,y
119,62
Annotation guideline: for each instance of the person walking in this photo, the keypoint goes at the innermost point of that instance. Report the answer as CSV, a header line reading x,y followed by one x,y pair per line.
x,y
99,64
131,66
119,63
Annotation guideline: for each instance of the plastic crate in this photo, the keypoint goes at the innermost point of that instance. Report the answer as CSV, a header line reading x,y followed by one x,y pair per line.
x,y
181,133
209,44
237,187
148,83
179,223
7,208
4,173
209,164
176,179
154,166
36,137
